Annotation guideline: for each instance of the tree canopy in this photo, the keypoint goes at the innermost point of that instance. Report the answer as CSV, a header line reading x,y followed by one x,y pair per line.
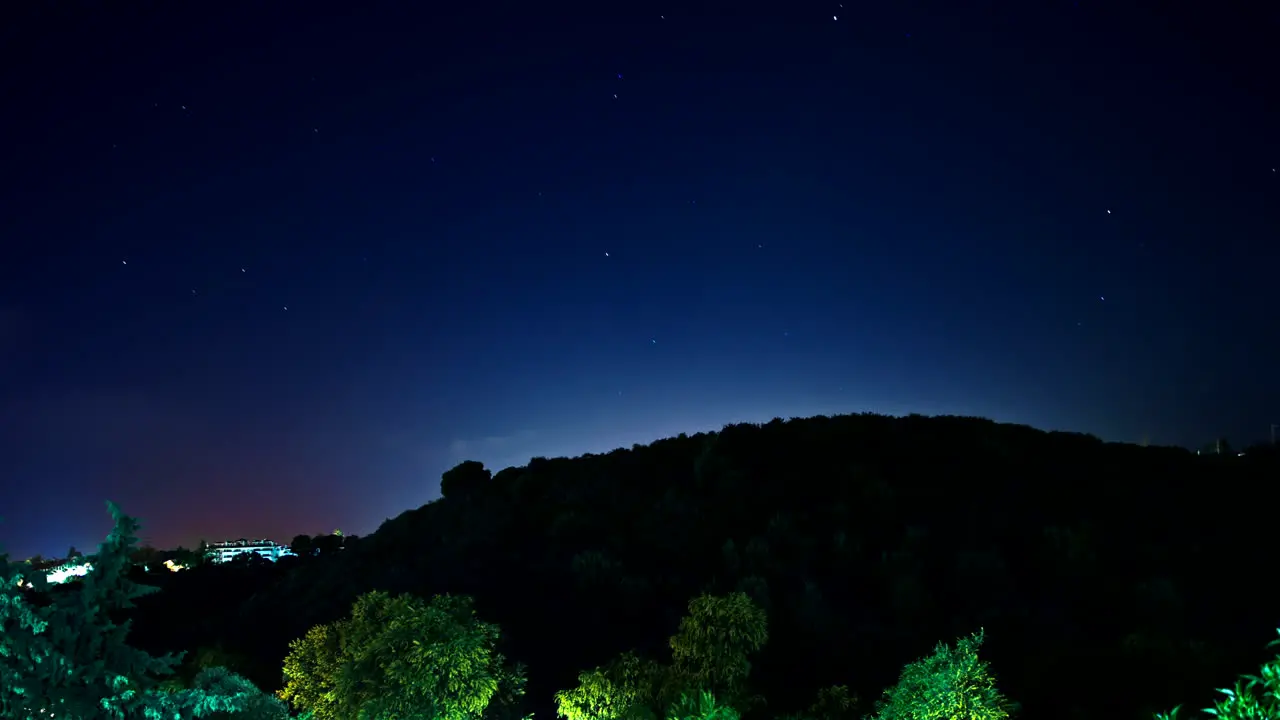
x,y
863,539
401,657
65,654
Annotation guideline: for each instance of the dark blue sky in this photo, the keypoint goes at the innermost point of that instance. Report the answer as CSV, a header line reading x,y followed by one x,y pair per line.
x,y
270,268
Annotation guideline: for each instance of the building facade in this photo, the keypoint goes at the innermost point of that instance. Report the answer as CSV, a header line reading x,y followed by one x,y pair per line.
x,y
69,570
225,551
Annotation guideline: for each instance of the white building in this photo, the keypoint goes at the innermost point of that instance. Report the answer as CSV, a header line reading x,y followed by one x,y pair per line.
x,y
221,552
70,569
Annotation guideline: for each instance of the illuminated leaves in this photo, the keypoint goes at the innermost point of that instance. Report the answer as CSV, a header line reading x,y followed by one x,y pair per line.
x,y
701,707
611,692
311,670
64,656
709,657
714,641
400,657
951,683
1255,697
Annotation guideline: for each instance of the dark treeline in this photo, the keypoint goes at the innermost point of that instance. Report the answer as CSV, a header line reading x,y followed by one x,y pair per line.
x,y
1107,578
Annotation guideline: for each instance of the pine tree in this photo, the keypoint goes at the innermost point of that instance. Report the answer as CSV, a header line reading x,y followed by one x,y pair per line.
x,y
65,655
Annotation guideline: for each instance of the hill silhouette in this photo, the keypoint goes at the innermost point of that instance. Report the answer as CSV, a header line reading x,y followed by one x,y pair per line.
x,y
1105,577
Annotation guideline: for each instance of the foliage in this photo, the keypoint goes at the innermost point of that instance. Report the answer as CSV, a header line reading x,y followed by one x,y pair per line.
x,y
218,694
951,683
711,651
860,535
311,671
835,702
465,480
401,657
703,706
1255,697
710,655
301,546
613,691
66,654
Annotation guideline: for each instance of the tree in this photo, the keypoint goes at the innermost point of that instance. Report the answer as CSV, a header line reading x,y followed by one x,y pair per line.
x,y
401,657
66,655
700,707
301,545
1255,697
614,691
146,556
464,480
311,670
709,664
712,648
188,558
218,694
326,544
951,683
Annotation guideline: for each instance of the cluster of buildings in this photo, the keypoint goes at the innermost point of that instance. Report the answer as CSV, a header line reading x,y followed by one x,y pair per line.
x,y
61,571
221,552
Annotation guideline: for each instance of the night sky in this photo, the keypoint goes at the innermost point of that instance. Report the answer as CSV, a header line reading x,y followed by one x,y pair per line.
x,y
271,267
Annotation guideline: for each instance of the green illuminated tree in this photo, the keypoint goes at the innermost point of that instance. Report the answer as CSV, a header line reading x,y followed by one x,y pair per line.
x,y
66,655
613,691
702,706
709,664
711,650
951,683
311,670
1255,697
402,657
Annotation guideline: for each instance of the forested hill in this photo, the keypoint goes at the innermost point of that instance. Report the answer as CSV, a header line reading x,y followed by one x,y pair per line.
x,y
1109,578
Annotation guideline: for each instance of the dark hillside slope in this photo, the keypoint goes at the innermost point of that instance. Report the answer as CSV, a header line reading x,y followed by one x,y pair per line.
x,y
1105,575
